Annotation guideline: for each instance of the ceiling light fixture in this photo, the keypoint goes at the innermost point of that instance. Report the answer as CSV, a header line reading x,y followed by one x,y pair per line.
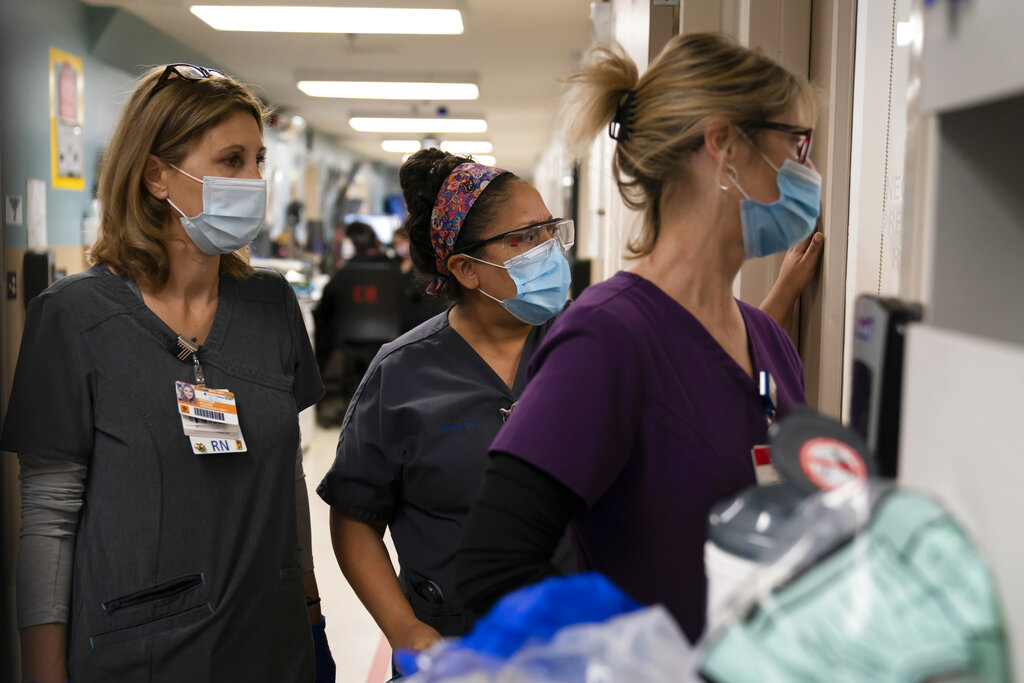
x,y
467,147
384,90
451,146
485,159
400,146
284,19
417,125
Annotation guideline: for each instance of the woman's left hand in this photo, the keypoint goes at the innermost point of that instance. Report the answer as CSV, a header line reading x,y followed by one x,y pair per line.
x,y
798,268
799,265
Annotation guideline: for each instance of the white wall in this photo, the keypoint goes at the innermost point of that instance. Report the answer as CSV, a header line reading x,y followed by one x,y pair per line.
x,y
874,258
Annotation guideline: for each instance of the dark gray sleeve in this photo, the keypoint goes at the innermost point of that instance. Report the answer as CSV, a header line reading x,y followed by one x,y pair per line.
x,y
307,387
304,532
365,478
51,498
50,411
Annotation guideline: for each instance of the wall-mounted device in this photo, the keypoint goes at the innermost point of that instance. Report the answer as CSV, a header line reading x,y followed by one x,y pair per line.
x,y
880,326
39,271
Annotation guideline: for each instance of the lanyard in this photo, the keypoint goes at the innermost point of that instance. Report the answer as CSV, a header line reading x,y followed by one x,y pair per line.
x,y
767,391
186,348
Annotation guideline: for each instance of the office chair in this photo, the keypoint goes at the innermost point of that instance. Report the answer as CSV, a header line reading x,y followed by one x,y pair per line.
x,y
362,310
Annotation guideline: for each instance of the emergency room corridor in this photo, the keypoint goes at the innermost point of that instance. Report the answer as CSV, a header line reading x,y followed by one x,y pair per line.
x,y
678,341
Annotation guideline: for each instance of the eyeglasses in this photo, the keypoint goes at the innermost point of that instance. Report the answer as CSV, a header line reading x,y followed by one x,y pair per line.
x,y
190,72
515,242
803,147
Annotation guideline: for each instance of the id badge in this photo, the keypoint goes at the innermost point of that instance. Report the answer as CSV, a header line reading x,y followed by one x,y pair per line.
x,y
213,405
764,469
209,418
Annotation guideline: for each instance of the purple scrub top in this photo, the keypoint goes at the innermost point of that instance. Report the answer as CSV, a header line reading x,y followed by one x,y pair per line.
x,y
638,410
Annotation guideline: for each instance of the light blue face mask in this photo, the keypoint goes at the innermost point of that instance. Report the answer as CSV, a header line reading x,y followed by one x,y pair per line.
x,y
233,210
542,280
775,227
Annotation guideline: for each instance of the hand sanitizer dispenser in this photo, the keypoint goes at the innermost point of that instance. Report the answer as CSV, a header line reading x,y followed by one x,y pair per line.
x,y
880,326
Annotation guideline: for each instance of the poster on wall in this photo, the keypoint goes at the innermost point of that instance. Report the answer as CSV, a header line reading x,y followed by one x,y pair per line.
x,y
67,120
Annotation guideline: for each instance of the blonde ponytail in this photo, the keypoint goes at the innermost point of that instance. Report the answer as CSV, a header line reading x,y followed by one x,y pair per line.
x,y
696,77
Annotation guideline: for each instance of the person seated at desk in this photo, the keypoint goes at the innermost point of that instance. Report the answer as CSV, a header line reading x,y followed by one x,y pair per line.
x,y
347,294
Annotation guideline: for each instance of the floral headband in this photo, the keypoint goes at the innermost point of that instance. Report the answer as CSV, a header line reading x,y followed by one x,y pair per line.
x,y
458,193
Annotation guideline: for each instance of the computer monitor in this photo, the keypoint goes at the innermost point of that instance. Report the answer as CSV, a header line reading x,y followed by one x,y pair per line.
x,y
383,224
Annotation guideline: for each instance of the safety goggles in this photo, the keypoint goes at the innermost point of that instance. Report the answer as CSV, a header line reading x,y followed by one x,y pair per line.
x,y
189,72
515,242
803,134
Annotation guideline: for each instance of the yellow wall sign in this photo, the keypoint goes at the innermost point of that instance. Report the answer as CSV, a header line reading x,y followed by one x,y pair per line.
x,y
67,120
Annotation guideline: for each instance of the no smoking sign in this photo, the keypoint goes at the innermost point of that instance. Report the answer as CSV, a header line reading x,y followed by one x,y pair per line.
x,y
830,463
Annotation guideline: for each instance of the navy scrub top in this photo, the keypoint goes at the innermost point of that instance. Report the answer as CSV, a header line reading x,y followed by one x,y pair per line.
x,y
413,451
185,565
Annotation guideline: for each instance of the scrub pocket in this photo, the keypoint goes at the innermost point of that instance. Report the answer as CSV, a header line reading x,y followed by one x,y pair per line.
x,y
442,616
167,605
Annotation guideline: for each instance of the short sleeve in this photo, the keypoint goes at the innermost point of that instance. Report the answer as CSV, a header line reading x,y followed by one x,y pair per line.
x,y
50,412
579,416
307,386
364,479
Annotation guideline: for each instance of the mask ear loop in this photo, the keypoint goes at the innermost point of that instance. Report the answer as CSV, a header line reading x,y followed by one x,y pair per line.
x,y
176,208
733,177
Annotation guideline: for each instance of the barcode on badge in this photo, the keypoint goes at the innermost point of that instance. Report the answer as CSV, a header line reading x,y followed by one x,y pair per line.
x,y
208,414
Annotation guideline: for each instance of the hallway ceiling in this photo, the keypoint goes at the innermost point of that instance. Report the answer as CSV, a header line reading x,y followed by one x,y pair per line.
x,y
516,50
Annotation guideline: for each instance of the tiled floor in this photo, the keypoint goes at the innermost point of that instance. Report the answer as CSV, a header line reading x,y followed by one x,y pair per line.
x,y
353,636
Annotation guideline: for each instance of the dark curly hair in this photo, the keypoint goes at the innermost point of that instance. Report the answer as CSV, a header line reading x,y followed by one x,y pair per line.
x,y
421,178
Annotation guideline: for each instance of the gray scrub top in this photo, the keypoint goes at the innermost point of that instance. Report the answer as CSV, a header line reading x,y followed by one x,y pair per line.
x,y
185,565
413,451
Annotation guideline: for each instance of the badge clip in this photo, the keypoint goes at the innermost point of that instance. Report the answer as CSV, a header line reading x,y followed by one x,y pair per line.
x,y
187,347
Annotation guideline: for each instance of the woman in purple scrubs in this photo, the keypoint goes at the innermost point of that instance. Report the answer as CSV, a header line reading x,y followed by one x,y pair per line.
x,y
642,406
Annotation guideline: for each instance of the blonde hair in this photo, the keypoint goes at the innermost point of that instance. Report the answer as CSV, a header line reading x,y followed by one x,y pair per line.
x,y
165,122
695,78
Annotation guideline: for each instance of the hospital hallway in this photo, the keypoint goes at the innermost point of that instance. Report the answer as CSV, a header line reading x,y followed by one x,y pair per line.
x,y
674,340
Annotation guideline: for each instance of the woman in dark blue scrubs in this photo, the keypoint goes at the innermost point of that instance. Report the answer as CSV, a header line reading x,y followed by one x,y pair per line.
x,y
413,446
414,441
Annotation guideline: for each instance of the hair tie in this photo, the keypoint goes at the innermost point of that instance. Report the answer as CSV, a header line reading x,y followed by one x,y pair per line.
x,y
618,128
459,191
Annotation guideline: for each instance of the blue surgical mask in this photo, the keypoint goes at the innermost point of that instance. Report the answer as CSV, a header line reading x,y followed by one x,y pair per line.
x,y
775,227
233,210
542,280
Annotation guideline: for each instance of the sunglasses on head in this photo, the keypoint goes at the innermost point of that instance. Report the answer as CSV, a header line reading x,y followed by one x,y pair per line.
x,y
189,72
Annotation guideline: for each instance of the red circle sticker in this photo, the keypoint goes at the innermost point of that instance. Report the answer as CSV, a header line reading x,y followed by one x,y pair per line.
x,y
829,463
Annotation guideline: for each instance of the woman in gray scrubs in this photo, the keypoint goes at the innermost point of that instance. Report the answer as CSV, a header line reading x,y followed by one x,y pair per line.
x,y
161,524
413,446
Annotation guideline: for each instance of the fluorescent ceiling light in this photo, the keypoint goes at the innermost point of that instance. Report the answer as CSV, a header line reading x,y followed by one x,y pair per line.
x,y
467,147
485,159
452,146
410,125
400,146
284,19
381,90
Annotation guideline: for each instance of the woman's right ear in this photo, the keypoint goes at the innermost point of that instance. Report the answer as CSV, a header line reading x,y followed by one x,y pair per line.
x,y
153,176
464,271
